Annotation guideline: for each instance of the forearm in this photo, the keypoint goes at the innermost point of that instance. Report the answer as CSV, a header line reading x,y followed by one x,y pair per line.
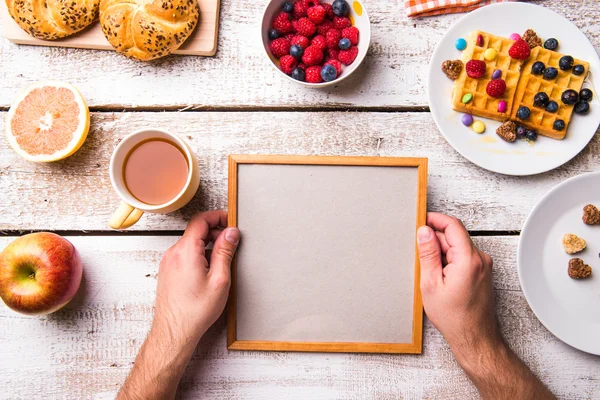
x,y
158,367
499,374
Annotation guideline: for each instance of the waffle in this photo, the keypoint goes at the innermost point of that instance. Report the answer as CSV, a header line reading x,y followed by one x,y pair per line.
x,y
530,84
483,105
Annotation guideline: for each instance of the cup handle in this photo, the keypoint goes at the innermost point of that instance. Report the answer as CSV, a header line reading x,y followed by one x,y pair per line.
x,y
125,216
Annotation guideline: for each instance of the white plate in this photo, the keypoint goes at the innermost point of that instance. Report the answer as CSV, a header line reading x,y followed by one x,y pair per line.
x,y
569,308
488,150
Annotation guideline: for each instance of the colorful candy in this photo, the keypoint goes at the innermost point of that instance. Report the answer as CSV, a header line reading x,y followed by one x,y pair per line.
x,y
467,120
490,54
479,40
502,106
467,98
514,36
478,126
497,74
460,44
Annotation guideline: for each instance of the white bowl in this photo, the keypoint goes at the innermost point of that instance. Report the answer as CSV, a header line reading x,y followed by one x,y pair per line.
x,y
360,19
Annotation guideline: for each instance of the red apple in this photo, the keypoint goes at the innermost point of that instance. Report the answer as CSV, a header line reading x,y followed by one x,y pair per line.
x,y
39,273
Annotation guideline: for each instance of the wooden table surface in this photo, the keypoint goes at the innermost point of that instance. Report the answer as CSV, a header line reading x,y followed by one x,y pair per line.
x,y
235,103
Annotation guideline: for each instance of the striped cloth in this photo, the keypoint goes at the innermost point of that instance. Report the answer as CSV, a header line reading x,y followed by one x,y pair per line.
x,y
426,8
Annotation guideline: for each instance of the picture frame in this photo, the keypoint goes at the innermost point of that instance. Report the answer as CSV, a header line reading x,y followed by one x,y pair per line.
x,y
415,170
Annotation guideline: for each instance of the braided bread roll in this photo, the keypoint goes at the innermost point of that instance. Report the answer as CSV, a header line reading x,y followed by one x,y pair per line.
x,y
148,29
53,19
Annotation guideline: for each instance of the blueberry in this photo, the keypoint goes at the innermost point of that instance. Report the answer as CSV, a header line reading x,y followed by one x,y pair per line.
x,y
531,135
537,68
328,73
570,97
559,125
299,74
523,112
541,100
550,73
521,131
566,63
551,44
340,8
344,44
288,7
296,51
586,94
578,69
274,34
552,107
582,107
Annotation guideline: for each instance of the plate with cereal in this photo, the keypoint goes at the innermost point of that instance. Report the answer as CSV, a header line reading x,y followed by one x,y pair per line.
x,y
559,261
511,88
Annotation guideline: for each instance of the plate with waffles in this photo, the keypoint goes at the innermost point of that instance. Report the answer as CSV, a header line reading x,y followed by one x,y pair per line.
x,y
535,99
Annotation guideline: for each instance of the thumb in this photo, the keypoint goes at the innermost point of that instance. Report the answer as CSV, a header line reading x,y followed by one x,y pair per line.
x,y
223,252
430,255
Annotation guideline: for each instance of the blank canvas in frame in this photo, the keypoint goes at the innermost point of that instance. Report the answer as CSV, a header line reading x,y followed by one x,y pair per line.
x,y
328,256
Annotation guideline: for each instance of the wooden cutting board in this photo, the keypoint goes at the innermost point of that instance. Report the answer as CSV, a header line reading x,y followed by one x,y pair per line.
x,y
202,42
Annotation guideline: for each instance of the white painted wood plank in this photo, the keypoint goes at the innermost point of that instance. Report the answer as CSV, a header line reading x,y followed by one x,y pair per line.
x,y
76,194
86,350
394,72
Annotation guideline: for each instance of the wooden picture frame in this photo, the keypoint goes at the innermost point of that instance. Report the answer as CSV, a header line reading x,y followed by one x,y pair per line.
x,y
414,345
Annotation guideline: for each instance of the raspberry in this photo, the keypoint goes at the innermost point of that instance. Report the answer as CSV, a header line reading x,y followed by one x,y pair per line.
x,y
287,64
313,74
280,47
520,50
347,57
475,68
496,88
341,22
328,10
316,14
351,34
306,27
337,65
301,41
282,23
324,27
333,54
302,66
319,41
299,9
310,3
289,36
333,37
312,55
294,26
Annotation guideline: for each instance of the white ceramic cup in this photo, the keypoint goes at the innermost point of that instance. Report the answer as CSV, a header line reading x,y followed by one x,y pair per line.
x,y
131,209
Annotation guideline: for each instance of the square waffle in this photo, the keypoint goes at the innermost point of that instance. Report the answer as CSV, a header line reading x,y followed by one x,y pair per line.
x,y
483,105
530,84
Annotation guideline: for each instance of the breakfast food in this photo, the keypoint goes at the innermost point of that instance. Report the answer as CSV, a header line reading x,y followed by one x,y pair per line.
x,y
145,30
519,79
573,244
507,131
452,68
578,269
591,215
48,121
313,40
53,19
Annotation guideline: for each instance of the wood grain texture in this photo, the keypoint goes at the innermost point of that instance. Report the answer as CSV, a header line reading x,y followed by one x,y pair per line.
x,y
394,73
76,194
86,350
414,347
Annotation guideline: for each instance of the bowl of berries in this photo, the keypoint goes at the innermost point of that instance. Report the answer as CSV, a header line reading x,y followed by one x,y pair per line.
x,y
316,43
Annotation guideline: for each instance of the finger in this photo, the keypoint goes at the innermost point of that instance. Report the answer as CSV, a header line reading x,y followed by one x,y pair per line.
x,y
455,232
200,226
443,243
223,252
430,255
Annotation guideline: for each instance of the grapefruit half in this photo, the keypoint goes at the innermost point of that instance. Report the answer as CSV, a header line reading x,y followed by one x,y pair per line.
x,y
48,121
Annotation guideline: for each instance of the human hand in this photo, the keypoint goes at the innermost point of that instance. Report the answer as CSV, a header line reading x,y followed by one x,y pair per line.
x,y
457,290
191,293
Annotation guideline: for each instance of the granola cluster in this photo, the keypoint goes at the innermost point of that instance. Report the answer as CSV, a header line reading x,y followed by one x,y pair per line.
x,y
578,269
507,131
591,215
532,39
452,68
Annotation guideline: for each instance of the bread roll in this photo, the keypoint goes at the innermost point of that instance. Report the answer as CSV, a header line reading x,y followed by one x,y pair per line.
x,y
53,19
148,29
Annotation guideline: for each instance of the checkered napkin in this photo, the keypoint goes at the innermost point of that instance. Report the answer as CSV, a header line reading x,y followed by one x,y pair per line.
x,y
426,8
